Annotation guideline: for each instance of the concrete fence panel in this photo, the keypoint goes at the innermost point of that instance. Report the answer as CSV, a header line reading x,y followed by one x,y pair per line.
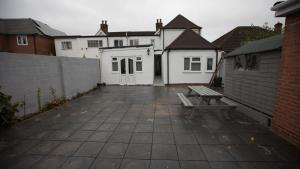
x,y
38,79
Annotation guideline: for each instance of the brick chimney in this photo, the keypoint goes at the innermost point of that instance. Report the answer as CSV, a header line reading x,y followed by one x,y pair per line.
x,y
104,26
158,24
278,27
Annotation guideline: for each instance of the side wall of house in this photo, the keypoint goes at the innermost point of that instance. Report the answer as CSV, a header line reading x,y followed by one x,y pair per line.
x,y
286,121
3,43
176,66
30,78
141,78
256,88
44,45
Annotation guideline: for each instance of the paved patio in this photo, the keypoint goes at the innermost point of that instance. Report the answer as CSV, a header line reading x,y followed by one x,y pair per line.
x,y
140,127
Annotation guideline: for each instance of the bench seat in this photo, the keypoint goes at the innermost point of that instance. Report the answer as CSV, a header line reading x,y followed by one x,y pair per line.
x,y
184,100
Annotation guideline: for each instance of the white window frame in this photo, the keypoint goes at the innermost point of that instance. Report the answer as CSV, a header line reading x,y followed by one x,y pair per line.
x,y
133,42
98,42
23,38
191,61
141,60
119,42
212,66
115,61
66,46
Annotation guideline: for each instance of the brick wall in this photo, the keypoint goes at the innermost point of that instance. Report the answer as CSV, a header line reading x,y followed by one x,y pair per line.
x,y
286,119
37,44
44,45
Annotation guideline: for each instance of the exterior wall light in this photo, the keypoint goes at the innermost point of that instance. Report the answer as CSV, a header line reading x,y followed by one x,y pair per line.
x,y
148,51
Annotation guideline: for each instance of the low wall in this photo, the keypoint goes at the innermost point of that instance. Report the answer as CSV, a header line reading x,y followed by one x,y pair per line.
x,y
38,79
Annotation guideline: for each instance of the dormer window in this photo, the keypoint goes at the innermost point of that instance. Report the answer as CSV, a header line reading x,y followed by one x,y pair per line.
x,y
22,40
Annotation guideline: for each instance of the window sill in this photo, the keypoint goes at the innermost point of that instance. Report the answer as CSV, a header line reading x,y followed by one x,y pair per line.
x,y
22,44
188,71
115,72
139,71
209,71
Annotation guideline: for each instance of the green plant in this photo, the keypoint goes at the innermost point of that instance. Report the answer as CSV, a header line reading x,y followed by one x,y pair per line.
x,y
7,110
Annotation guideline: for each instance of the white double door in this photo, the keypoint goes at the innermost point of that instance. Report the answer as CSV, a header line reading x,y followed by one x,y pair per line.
x,y
127,71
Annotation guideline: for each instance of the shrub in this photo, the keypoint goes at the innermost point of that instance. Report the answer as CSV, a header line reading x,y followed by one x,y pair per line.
x,y
217,82
7,110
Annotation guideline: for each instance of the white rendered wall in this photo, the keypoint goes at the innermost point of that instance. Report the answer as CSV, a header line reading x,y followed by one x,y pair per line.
x,y
79,47
141,78
176,66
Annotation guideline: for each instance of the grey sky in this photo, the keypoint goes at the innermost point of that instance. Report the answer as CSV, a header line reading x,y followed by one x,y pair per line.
x,y
82,17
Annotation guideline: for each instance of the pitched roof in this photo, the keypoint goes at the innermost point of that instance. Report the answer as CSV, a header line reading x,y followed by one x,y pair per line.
x,y
27,26
131,33
180,22
262,45
190,40
235,38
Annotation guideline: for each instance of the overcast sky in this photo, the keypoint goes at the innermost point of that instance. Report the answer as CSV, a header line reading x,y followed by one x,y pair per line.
x,y
83,17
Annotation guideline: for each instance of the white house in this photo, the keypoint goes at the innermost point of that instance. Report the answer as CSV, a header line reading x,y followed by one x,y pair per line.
x,y
173,54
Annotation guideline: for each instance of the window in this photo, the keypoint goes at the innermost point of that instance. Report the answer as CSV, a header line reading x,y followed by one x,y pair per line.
x,y
251,62
65,45
115,67
134,42
22,40
138,64
152,41
118,43
239,62
192,64
209,65
94,43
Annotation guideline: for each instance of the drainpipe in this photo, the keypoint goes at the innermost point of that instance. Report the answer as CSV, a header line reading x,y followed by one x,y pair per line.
x,y
168,72
107,41
163,39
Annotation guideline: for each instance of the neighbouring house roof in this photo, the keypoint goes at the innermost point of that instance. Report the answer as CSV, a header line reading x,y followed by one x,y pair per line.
x,y
27,26
263,45
235,38
286,8
180,22
190,40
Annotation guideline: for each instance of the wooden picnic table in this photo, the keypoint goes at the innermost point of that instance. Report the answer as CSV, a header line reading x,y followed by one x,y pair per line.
x,y
204,93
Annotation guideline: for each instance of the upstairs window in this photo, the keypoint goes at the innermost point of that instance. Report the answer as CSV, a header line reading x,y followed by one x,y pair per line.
x,y
209,64
192,64
118,43
239,62
134,42
22,40
94,43
66,45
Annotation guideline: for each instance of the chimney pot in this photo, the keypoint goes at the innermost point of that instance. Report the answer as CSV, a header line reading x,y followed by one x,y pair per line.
x,y
158,24
278,27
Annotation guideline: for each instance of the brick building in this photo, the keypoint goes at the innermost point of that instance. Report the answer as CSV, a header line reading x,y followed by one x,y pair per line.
x,y
27,36
286,118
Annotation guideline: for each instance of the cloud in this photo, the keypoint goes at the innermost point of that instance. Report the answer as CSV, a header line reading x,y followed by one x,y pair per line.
x,y
83,17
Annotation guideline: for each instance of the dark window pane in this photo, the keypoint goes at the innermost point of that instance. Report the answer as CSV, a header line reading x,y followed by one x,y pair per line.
x,y
139,66
123,66
209,63
114,66
186,63
196,66
130,66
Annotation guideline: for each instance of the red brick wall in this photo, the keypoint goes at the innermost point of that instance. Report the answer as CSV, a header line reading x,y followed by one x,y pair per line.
x,y
12,45
286,118
44,45
37,44
3,43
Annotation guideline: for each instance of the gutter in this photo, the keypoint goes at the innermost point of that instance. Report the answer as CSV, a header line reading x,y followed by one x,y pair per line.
x,y
286,8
